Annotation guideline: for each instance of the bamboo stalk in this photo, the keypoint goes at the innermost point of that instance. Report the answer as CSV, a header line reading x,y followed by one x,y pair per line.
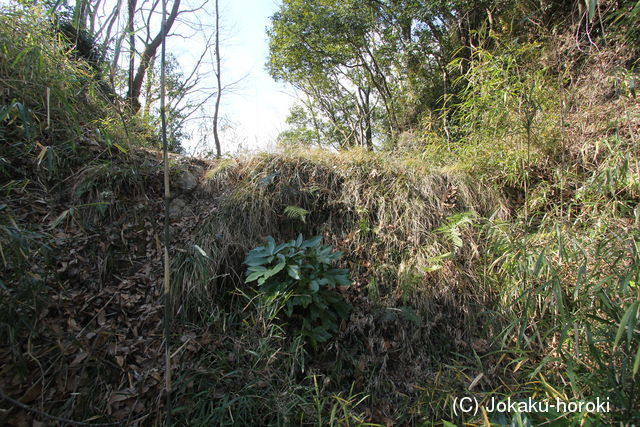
x,y
167,271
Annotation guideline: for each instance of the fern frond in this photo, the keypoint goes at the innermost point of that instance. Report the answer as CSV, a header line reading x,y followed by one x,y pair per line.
x,y
296,212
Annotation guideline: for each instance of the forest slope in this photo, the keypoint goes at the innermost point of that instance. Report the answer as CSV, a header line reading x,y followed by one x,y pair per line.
x,y
501,265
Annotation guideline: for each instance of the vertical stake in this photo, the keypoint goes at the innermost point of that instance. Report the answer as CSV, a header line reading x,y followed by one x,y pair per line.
x,y
48,108
167,272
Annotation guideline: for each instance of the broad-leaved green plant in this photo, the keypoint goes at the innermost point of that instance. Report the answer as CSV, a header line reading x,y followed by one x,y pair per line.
x,y
299,276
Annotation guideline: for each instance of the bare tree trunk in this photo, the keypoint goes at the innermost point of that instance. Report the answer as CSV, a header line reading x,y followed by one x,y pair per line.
x,y
116,57
93,11
131,6
445,109
219,83
167,200
148,90
135,86
367,120
314,119
80,14
109,27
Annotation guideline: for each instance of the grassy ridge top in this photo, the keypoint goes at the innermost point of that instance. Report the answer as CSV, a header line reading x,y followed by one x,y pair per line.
x,y
504,263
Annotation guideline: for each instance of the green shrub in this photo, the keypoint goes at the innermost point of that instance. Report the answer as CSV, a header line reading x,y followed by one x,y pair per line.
x,y
25,260
297,278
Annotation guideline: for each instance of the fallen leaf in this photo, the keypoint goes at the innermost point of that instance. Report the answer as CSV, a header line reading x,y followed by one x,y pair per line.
x,y
79,358
31,394
120,396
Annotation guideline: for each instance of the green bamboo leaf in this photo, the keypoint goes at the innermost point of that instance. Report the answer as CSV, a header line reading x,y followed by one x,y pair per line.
x,y
539,263
25,117
623,323
631,324
636,362
4,112
61,217
50,158
591,6
119,147
21,54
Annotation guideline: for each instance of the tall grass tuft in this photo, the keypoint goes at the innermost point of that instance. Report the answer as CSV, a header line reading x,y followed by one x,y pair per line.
x,y
382,213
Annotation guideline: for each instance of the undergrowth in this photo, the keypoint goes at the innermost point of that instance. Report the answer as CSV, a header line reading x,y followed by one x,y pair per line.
x,y
498,260
502,263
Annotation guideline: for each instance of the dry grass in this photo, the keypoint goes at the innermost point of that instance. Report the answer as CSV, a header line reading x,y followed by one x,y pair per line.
x,y
383,213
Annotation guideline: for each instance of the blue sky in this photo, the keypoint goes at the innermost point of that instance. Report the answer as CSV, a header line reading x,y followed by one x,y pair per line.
x,y
258,106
